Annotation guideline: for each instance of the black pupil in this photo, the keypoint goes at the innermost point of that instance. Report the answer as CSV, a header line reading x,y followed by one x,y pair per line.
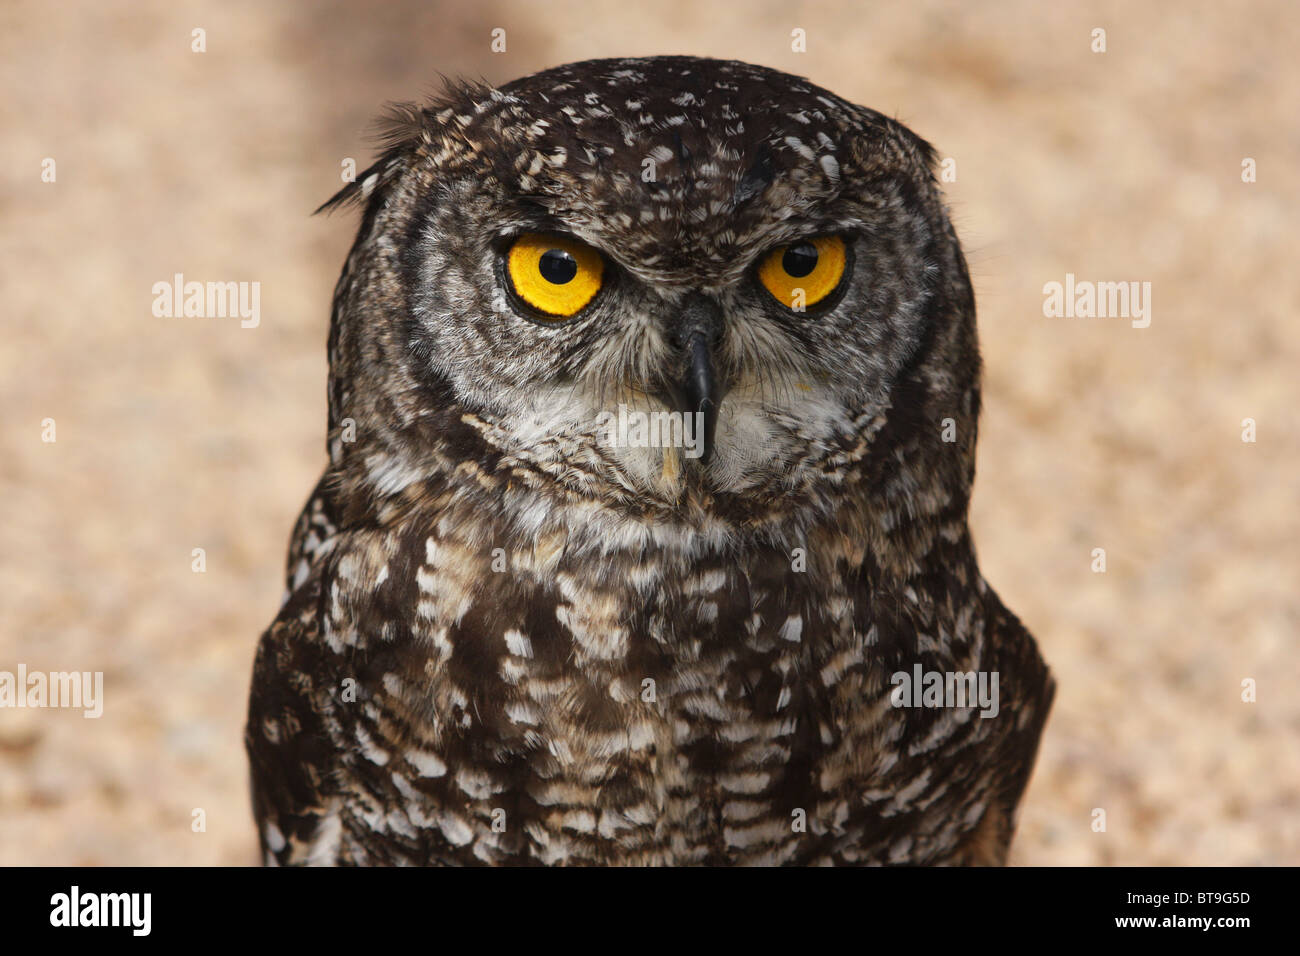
x,y
800,259
557,266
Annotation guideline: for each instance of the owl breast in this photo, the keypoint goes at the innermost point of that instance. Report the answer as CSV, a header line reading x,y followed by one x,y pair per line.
x,y
664,703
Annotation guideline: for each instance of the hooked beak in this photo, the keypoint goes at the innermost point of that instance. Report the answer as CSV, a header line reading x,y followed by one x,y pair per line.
x,y
696,391
699,390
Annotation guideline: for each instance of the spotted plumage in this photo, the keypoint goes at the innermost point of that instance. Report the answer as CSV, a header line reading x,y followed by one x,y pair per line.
x,y
509,639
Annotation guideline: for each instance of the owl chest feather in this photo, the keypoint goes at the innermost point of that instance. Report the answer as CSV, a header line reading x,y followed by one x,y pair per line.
x,y
530,703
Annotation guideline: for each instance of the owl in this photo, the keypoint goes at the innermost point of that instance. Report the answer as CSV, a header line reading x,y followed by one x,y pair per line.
x,y
643,540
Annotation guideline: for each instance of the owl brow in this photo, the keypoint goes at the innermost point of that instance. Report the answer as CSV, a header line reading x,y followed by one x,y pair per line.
x,y
529,215
756,179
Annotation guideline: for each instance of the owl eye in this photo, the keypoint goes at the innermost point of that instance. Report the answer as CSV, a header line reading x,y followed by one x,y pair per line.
x,y
803,273
554,275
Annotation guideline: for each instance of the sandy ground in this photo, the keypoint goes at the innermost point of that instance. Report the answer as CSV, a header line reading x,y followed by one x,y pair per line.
x,y
176,434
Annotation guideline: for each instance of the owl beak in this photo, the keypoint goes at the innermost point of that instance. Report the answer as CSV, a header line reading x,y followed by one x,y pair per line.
x,y
699,391
696,391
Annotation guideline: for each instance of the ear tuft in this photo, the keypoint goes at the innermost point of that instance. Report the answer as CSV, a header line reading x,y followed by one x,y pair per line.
x,y
400,129
395,132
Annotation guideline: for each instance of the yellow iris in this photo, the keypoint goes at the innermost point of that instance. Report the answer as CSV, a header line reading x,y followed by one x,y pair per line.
x,y
804,272
554,275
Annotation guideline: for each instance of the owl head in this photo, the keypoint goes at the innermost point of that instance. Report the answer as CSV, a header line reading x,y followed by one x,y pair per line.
x,y
670,285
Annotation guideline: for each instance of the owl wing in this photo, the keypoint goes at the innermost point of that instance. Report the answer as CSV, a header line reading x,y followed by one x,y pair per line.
x,y
294,764
317,524
1027,690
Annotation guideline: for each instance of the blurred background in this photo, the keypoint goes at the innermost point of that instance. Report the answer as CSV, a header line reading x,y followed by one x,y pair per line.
x,y
176,434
